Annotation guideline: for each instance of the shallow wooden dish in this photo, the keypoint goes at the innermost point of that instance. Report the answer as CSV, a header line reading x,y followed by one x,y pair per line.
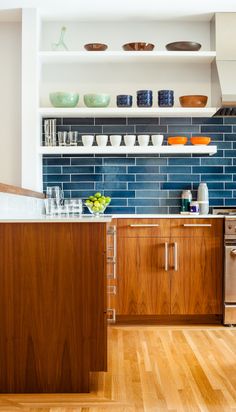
x,y
138,46
194,100
95,47
183,46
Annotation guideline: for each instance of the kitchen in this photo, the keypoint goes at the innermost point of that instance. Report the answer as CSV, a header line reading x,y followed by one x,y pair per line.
x,y
118,187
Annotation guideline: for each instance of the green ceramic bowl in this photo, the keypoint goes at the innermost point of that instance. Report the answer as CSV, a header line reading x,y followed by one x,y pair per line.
x,y
63,99
97,100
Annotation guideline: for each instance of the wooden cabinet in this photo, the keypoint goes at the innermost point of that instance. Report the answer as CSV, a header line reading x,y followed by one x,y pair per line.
x,y
53,307
179,275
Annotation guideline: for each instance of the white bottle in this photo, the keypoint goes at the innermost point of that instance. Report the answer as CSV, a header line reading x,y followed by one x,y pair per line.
x,y
203,198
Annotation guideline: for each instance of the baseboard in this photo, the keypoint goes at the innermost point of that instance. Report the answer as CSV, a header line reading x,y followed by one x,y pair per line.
x,y
169,319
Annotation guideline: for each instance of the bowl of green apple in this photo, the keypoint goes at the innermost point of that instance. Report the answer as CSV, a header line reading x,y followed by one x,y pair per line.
x,y
97,203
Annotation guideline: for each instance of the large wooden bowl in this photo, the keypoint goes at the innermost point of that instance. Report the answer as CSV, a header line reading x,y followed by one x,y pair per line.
x,y
194,100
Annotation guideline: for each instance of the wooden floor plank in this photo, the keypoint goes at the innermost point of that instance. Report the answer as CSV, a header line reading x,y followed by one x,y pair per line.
x,y
153,369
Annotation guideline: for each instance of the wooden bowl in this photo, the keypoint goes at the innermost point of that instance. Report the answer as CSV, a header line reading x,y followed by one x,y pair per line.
x,y
200,140
194,100
177,140
95,47
138,46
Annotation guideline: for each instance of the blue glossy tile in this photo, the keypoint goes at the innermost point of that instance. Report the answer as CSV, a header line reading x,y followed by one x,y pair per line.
x,y
208,169
151,177
149,210
230,137
143,169
119,178
175,186
77,169
217,177
61,128
175,169
118,193
52,170
151,161
211,185
174,210
110,186
67,194
143,120
234,161
176,120
215,137
58,161
183,129
183,161
80,161
82,193
83,129
57,178
216,161
183,178
224,145
151,193
230,202
111,169
170,202
86,178
219,193
230,185
118,202
143,202
207,120
216,202
150,128
230,169
229,120
78,186
216,129
144,186
116,161
110,120
120,210
230,153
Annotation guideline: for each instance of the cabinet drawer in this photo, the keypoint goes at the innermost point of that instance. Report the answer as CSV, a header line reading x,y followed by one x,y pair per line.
x,y
143,227
196,227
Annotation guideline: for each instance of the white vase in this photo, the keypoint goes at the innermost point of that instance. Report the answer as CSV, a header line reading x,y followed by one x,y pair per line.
x,y
115,139
130,139
102,139
87,139
157,139
143,139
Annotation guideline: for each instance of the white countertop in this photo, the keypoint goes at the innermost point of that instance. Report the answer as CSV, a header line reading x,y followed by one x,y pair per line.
x,y
162,216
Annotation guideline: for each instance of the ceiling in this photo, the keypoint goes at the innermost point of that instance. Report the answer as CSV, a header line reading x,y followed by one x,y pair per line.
x,y
135,10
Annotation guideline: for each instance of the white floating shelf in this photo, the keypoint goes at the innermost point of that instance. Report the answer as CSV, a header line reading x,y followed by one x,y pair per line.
x,y
128,112
52,57
201,150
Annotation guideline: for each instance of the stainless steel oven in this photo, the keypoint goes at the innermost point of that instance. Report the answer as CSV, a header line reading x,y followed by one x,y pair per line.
x,y
230,272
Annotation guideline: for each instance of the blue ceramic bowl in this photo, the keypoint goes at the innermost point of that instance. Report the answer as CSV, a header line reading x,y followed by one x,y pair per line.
x,y
124,100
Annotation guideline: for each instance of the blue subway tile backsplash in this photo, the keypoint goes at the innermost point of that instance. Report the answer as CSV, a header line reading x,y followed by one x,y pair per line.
x,y
147,183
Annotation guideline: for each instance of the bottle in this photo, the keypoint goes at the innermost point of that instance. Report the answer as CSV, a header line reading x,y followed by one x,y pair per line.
x,y
203,198
186,199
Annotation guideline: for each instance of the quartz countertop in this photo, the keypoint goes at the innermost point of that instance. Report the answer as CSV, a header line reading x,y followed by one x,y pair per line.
x,y
55,219
168,216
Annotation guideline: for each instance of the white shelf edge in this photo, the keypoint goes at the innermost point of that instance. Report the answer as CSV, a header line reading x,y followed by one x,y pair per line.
x,y
125,112
209,150
104,56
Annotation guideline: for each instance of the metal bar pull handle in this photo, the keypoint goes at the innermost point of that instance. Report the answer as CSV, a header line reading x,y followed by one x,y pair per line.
x,y
175,256
197,224
145,225
233,252
111,315
111,290
112,259
166,257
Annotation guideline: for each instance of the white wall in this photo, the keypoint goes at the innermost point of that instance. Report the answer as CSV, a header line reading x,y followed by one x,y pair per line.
x,y
10,103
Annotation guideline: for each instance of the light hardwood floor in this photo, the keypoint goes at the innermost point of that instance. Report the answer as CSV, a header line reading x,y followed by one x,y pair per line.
x,y
154,369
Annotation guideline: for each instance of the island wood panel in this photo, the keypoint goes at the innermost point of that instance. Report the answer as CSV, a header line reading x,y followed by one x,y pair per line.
x,y
196,287
143,285
52,306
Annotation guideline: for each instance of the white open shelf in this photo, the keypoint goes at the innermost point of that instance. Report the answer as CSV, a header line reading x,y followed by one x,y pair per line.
x,y
52,57
128,112
178,149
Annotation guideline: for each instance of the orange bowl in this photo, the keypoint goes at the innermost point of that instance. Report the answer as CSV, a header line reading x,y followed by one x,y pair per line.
x,y
177,140
200,140
195,100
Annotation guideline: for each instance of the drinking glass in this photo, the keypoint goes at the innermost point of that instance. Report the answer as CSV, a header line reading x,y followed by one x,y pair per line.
x,y
73,138
51,206
62,138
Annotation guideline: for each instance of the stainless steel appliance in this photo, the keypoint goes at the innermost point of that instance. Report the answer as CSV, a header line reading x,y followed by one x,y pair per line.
x,y
229,264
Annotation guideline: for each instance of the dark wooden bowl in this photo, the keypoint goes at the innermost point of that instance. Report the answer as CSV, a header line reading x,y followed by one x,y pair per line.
x,y
183,46
194,100
138,46
95,47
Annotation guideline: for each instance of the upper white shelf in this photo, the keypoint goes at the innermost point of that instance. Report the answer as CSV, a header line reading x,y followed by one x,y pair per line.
x,y
52,57
178,149
128,112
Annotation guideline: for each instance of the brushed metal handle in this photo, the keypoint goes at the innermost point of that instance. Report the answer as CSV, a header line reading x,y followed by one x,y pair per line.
x,y
145,225
175,256
233,252
112,259
166,257
111,290
112,313
197,225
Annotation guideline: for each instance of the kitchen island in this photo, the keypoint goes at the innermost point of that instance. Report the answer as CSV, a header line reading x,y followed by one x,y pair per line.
x,y
53,303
